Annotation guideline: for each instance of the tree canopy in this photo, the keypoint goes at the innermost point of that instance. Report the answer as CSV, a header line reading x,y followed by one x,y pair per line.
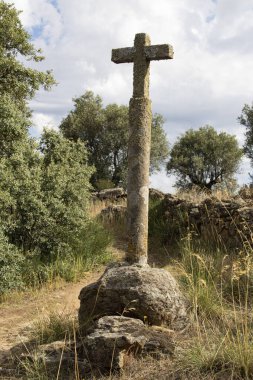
x,y
44,187
17,80
18,83
105,132
204,158
246,119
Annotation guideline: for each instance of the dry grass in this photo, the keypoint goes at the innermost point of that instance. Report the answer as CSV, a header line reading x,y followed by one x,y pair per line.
x,y
197,195
219,344
97,205
53,327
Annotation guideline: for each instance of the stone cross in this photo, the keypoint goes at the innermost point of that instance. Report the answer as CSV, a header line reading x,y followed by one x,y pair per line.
x,y
140,118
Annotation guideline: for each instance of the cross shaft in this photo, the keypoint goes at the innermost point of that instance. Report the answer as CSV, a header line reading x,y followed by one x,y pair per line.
x,y
140,118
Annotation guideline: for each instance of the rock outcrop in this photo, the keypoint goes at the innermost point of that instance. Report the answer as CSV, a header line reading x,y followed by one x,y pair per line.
x,y
105,348
114,338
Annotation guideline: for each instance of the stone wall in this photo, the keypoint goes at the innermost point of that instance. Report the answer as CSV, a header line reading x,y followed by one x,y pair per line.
x,y
112,195
228,221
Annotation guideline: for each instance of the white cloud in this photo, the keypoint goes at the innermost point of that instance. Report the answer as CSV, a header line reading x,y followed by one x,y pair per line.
x,y
40,16
41,121
162,182
208,81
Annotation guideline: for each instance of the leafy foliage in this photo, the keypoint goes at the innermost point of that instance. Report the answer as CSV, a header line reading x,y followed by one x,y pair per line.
x,y
65,186
105,131
44,187
246,119
43,195
11,266
204,158
14,125
18,81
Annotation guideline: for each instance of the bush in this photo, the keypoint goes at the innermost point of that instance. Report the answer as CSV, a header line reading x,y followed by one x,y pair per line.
x,y
167,230
19,271
11,266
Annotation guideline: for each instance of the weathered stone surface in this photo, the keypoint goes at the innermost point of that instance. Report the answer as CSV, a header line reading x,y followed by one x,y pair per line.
x,y
114,338
157,52
116,212
229,220
119,193
145,293
123,55
52,355
105,348
140,117
152,53
110,194
138,179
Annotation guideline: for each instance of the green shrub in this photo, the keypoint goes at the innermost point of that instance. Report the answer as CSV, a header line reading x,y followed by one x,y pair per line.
x,y
11,266
91,250
166,229
102,184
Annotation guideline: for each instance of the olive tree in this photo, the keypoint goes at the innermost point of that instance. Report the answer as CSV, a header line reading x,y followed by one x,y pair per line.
x,y
204,158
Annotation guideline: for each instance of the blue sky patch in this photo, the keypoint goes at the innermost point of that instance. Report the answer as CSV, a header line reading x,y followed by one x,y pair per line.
x,y
54,3
210,18
37,31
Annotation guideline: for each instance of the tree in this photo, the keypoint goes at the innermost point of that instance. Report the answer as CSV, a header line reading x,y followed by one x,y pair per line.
x,y
45,186
204,158
19,162
14,123
18,83
44,194
246,119
16,80
105,132
65,190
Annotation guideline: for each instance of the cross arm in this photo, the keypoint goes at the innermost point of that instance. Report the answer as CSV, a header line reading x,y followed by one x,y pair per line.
x,y
157,52
123,55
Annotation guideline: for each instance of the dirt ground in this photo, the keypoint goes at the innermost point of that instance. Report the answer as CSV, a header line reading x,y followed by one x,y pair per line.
x,y
17,315
18,312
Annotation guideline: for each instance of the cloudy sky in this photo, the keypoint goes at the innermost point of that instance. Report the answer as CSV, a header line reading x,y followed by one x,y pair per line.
x,y
208,82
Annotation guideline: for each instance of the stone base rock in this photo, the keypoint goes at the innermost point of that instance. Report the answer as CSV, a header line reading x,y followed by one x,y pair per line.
x,y
106,348
114,338
149,294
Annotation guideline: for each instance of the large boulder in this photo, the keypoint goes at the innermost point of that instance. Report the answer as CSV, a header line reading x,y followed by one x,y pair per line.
x,y
114,338
149,294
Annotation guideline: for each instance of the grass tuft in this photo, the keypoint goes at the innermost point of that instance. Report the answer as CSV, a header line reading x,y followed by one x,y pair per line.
x,y
53,327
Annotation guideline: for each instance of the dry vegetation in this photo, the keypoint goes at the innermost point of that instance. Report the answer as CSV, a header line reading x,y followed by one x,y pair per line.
x,y
219,341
